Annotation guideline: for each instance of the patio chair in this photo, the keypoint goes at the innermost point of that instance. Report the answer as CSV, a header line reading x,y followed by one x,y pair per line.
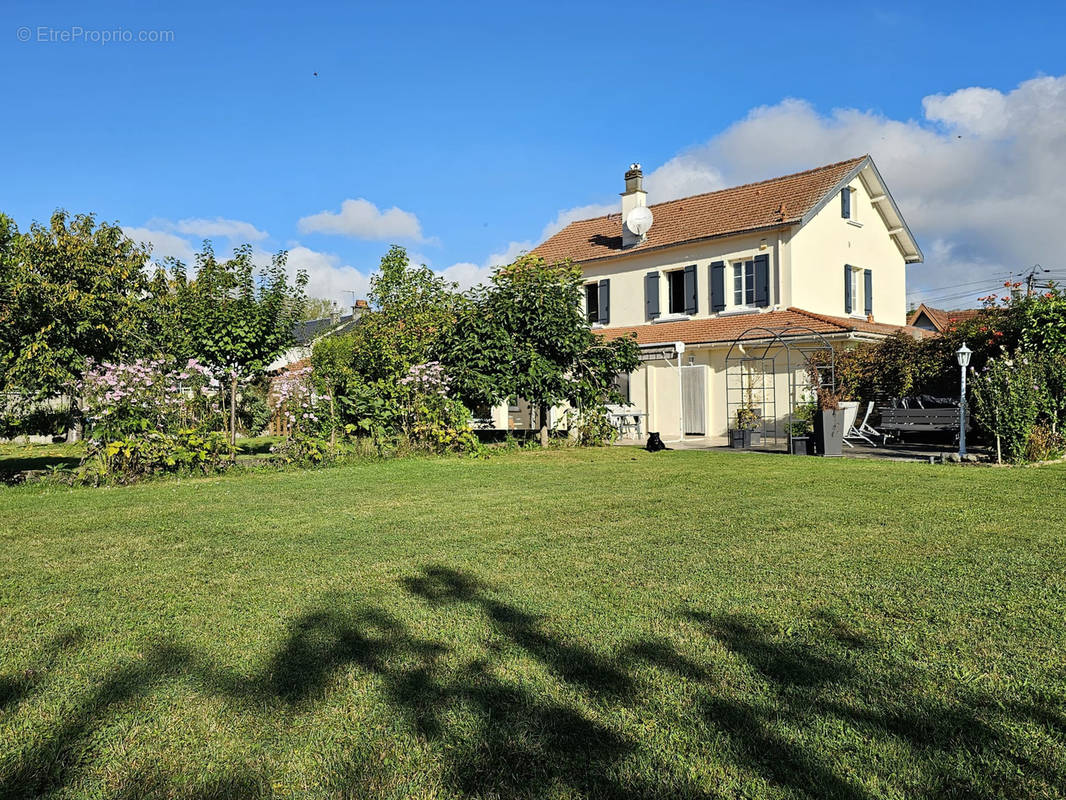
x,y
864,430
851,411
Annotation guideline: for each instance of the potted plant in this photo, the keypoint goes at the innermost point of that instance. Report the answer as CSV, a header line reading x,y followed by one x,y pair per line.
x,y
800,429
828,418
746,433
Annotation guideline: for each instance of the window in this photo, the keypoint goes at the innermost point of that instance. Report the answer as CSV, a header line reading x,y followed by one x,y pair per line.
x,y
856,290
676,281
744,283
849,207
592,301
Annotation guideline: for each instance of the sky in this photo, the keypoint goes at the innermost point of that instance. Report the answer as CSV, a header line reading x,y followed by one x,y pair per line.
x,y
468,132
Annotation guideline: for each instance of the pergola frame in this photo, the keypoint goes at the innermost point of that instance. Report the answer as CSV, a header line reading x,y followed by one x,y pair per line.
x,y
751,366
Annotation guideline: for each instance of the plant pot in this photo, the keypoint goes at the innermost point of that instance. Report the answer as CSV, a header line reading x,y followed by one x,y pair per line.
x,y
756,438
829,432
801,445
739,439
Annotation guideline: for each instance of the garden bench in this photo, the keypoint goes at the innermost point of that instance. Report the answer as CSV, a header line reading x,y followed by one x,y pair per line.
x,y
903,420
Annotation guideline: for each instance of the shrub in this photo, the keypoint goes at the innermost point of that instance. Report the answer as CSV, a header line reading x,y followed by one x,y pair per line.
x,y
593,426
302,448
1008,394
1044,444
151,452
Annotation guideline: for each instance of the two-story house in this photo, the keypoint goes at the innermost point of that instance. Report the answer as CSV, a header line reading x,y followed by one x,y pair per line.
x,y
818,254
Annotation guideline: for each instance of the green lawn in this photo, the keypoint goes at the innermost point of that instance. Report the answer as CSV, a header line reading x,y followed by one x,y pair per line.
x,y
566,624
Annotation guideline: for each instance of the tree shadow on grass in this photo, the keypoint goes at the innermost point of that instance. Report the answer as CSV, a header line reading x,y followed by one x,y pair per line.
x,y
960,745
16,687
496,735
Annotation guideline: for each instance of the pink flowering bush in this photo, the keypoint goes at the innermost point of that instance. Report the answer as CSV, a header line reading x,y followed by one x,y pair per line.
x,y
126,398
308,416
430,417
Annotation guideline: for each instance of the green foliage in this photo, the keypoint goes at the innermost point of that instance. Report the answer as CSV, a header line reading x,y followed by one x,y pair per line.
x,y
413,311
302,448
28,416
592,425
72,291
1044,444
803,419
318,308
1008,394
152,452
1044,323
253,412
238,319
525,335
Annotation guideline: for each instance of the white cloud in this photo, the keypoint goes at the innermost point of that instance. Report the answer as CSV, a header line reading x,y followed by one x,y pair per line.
x,y
164,244
233,229
363,220
327,276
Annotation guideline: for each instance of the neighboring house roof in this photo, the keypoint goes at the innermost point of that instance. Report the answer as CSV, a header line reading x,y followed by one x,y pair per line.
x,y
939,319
728,328
307,331
787,200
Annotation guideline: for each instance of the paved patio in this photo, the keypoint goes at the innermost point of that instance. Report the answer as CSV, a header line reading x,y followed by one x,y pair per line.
x,y
893,451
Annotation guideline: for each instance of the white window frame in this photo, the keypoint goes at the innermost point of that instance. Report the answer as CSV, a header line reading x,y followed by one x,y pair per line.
x,y
746,290
854,208
858,292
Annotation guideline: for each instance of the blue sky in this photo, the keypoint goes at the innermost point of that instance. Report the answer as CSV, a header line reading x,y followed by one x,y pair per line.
x,y
481,124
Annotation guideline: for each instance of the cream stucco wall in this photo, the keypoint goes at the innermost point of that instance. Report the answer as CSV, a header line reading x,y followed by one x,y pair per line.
x,y
627,272
822,247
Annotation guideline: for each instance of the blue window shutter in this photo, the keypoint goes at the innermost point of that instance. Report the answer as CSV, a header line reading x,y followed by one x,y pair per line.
x,y
605,302
868,286
762,280
717,285
845,203
651,294
847,288
691,293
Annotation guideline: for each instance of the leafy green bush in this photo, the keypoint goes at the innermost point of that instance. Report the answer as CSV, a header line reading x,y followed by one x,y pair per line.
x,y
302,448
593,426
1008,394
151,452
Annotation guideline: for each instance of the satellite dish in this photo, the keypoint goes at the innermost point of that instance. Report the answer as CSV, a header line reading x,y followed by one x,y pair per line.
x,y
639,220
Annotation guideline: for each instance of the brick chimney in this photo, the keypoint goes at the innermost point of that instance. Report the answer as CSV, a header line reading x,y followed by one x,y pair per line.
x,y
632,197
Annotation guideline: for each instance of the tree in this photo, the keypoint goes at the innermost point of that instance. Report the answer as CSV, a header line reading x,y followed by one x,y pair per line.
x,y
72,291
319,308
525,335
237,320
412,310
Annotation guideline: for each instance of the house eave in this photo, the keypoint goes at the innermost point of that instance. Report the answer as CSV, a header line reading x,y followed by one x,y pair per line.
x,y
688,242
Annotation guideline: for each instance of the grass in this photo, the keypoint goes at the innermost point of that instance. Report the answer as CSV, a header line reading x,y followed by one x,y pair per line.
x,y
542,624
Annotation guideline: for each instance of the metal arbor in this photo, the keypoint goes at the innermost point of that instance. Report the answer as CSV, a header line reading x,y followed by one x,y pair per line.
x,y
752,365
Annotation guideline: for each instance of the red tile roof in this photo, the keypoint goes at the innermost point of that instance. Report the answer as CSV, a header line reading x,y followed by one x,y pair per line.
x,y
940,318
753,206
728,328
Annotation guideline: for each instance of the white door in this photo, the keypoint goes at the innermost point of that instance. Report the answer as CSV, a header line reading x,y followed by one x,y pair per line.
x,y
694,400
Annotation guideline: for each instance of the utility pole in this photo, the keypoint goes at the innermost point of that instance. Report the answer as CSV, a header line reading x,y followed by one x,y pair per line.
x,y
1030,279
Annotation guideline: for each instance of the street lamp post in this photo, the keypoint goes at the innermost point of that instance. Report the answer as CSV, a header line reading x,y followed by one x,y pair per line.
x,y
963,355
